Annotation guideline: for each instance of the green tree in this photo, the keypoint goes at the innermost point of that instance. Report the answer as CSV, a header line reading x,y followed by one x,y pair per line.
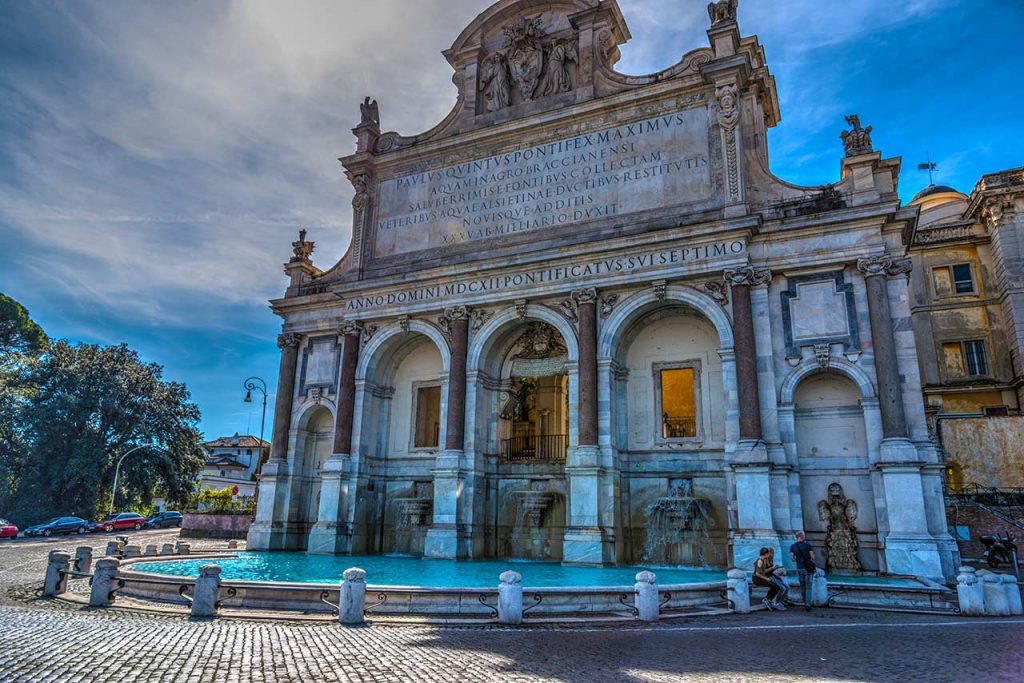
x,y
90,405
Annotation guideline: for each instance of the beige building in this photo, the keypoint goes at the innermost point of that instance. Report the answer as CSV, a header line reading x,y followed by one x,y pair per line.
x,y
968,320
232,461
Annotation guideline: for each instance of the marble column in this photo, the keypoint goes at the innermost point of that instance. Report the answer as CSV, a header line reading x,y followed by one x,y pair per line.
x,y
752,471
887,373
269,530
448,536
909,546
588,538
332,532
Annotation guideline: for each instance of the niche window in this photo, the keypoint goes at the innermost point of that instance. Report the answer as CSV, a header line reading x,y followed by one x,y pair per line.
x,y
427,410
953,280
965,358
678,401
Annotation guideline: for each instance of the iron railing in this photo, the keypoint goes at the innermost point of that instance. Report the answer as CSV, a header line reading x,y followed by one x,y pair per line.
x,y
678,427
546,447
987,495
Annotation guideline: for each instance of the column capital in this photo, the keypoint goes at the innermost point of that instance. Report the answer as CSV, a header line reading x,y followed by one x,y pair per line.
x,y
748,277
884,264
584,296
350,328
455,313
288,340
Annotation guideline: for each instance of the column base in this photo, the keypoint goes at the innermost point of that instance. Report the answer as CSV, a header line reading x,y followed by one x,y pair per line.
x,y
588,546
330,538
447,542
898,449
916,556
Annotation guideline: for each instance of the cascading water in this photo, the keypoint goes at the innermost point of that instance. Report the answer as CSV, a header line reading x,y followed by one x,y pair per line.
x,y
527,539
412,514
678,527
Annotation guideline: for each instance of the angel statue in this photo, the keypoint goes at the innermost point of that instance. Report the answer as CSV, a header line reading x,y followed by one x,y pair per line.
x,y
840,513
556,80
494,82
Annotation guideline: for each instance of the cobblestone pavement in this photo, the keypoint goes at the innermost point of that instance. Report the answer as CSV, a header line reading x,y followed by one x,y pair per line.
x,y
43,640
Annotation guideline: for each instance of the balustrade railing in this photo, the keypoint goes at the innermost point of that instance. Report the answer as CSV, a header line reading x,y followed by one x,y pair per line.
x,y
678,427
537,447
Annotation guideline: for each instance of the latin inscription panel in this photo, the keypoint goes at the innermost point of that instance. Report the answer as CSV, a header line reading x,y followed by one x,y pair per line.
x,y
634,167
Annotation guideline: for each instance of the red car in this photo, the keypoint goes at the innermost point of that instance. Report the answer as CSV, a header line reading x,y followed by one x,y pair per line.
x,y
8,530
125,520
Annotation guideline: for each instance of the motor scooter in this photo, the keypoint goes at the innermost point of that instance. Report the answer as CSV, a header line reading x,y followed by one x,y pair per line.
x,y
999,550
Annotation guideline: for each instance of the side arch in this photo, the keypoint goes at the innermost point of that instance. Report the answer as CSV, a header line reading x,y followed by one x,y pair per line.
x,y
628,311
837,365
485,338
370,355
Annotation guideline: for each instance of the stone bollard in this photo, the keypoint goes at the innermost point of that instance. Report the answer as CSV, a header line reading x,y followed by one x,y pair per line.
x,y
56,573
151,550
103,580
83,559
819,588
232,545
646,599
970,592
352,597
182,548
131,551
167,549
738,590
1013,600
113,549
996,604
206,592
510,598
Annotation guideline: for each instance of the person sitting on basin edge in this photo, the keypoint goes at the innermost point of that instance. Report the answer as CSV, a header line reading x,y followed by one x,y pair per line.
x,y
766,573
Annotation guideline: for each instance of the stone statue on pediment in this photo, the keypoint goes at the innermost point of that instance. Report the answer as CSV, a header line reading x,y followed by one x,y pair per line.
x,y
858,140
722,11
556,79
525,54
369,114
494,82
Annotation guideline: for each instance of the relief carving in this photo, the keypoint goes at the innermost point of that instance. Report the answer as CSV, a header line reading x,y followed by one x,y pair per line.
x,y
525,53
823,355
884,265
717,291
858,140
540,341
608,304
521,308
556,79
494,82
477,318
660,289
403,323
748,277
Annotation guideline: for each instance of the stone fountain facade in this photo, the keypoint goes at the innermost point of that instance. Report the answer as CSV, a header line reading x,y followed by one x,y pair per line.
x,y
522,275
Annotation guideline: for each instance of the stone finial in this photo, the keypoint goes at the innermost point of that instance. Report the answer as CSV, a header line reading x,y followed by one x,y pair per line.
x,y
302,249
510,577
369,113
354,574
857,140
646,577
722,11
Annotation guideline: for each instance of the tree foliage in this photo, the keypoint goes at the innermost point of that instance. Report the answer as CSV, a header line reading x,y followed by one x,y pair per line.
x,y
76,410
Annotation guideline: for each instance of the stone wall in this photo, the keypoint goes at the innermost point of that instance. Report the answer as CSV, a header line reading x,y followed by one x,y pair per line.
x,y
215,526
987,449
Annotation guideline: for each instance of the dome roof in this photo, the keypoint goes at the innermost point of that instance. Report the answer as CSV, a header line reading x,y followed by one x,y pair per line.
x,y
933,190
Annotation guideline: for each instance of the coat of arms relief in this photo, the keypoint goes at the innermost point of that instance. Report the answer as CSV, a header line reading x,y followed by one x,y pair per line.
x,y
530,63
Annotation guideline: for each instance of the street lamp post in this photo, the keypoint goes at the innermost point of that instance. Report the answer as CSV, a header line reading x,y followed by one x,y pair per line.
x,y
250,386
117,471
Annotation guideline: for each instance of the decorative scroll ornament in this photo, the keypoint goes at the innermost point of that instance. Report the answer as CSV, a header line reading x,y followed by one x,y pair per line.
x,y
302,249
403,323
608,304
369,114
521,308
477,318
722,11
858,140
660,289
748,277
525,53
840,513
717,290
350,328
884,265
288,340
494,82
823,355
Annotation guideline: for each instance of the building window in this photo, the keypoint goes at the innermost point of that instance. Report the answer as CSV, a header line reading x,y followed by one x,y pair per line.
x,y
966,358
428,416
953,280
678,400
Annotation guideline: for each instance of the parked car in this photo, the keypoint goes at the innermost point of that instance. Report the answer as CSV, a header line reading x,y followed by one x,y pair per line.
x,y
8,530
164,519
59,525
119,522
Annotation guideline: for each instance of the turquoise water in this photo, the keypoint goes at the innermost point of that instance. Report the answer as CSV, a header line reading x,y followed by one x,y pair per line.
x,y
413,571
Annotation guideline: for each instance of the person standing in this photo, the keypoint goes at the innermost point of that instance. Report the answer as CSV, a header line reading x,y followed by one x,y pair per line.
x,y
802,555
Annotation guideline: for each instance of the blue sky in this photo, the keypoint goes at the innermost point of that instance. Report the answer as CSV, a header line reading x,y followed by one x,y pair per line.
x,y
157,158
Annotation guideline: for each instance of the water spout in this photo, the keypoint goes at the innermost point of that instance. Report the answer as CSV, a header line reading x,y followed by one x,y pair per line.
x,y
678,527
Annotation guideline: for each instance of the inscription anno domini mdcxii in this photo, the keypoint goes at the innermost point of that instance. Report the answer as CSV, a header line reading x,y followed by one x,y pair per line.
x,y
625,169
